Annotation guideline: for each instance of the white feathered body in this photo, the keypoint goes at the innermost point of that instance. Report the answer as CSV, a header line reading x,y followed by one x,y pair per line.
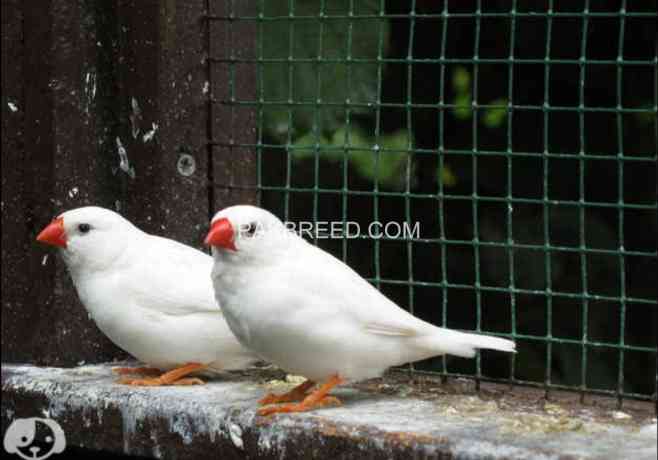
x,y
312,315
156,302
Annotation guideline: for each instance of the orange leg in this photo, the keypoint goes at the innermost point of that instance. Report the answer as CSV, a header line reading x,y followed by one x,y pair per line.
x,y
173,377
136,370
317,398
296,394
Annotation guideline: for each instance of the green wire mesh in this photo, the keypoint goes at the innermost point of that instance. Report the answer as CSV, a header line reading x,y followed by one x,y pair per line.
x,y
302,176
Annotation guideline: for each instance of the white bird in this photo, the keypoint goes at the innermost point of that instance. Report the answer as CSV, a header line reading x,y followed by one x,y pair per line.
x,y
151,296
310,314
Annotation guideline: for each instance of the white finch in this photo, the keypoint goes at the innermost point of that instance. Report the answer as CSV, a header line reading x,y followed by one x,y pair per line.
x,y
309,313
151,296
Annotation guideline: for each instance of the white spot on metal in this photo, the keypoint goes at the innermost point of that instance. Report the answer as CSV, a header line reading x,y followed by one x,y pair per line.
x,y
235,432
124,164
135,117
148,136
74,192
90,87
206,87
44,260
186,164
12,106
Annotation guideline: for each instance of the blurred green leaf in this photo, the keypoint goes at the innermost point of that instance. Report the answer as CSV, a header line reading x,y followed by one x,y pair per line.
x,y
447,176
461,83
311,64
461,80
385,162
463,110
495,117
305,146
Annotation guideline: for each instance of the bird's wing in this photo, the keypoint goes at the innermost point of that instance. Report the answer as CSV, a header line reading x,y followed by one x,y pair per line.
x,y
176,278
321,275
390,329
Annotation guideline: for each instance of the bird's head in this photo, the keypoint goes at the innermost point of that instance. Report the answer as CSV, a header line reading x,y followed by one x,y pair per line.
x,y
89,237
246,232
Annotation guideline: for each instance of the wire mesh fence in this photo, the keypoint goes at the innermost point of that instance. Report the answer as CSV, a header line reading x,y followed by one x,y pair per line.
x,y
520,138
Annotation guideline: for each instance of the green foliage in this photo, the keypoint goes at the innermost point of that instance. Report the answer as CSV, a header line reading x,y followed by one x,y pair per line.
x,y
446,175
461,80
495,116
322,77
310,70
384,162
492,117
463,110
461,84
388,166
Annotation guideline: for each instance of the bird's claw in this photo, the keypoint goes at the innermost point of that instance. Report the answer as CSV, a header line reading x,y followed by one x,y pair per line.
x,y
297,394
189,381
136,370
299,407
269,398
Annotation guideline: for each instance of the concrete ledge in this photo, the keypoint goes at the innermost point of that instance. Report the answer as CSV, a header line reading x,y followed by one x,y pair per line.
x,y
383,418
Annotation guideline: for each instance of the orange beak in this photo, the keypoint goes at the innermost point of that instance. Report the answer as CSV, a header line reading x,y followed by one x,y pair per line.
x,y
221,234
54,233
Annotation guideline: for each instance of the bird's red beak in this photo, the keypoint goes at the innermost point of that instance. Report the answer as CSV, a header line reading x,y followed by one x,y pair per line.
x,y
54,233
221,234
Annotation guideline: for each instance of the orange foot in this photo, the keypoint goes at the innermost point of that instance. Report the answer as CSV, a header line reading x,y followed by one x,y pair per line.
x,y
317,398
296,394
136,370
173,377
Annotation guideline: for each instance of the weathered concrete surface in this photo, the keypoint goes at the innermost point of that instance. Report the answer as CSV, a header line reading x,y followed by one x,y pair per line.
x,y
385,418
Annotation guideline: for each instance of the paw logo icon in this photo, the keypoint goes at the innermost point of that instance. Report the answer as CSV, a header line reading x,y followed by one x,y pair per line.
x,y
34,438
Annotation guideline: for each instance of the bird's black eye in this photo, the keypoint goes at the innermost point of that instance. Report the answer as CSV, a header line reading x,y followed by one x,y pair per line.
x,y
250,230
84,228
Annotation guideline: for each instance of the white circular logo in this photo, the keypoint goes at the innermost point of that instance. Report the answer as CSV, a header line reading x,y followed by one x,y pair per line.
x,y
34,438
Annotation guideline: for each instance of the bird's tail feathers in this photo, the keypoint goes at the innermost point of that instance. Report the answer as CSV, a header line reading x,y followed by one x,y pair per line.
x,y
491,343
464,345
